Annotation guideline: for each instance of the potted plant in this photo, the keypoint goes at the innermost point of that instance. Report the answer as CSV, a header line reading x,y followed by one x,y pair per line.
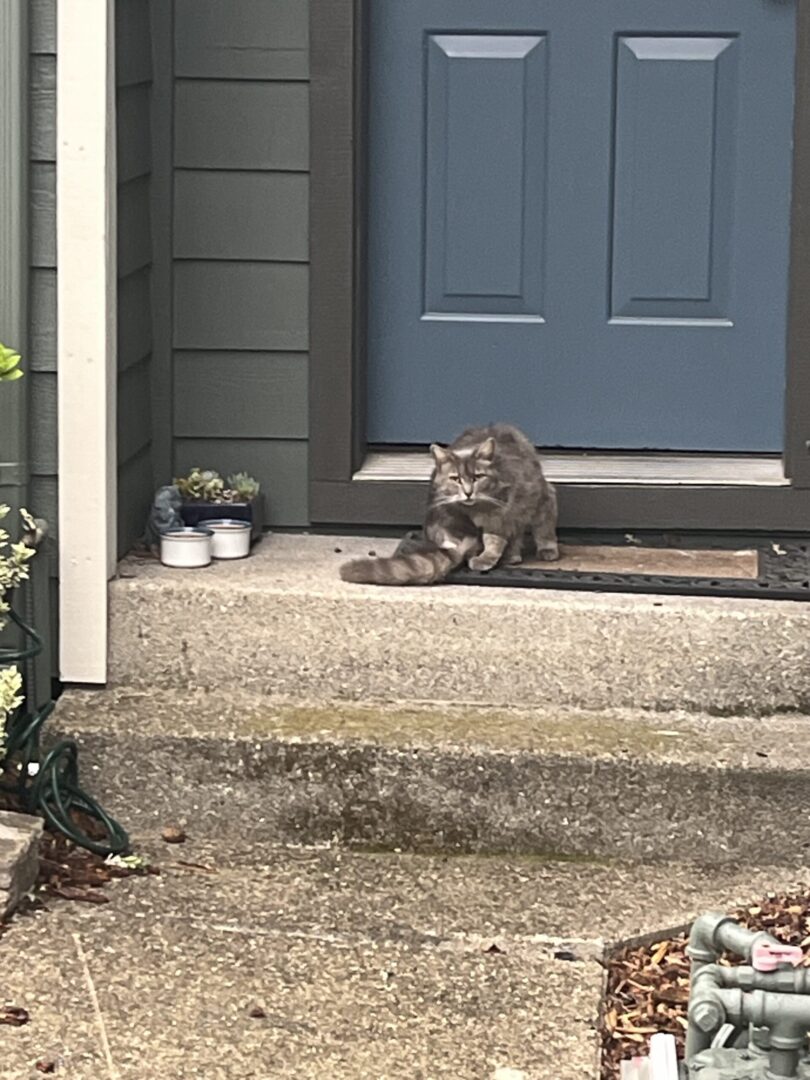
x,y
207,497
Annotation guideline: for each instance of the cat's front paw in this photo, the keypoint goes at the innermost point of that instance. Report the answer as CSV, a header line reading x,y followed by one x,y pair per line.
x,y
548,553
482,562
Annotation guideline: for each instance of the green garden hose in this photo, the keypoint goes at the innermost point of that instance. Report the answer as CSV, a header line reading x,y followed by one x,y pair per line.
x,y
49,784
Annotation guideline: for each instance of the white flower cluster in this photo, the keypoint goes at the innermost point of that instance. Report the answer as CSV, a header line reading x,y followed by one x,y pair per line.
x,y
13,570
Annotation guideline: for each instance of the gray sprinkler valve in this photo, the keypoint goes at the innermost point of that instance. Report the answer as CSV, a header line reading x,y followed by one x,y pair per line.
x,y
749,1022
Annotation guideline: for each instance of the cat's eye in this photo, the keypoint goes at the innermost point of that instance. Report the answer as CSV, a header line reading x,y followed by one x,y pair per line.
x,y
480,475
453,476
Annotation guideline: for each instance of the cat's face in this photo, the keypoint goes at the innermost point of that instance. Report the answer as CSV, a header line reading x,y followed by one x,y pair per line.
x,y
468,477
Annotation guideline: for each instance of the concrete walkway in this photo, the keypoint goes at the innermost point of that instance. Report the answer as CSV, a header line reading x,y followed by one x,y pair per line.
x,y
363,966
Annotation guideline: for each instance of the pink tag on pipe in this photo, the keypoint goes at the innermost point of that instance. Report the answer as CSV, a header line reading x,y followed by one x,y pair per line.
x,y
768,957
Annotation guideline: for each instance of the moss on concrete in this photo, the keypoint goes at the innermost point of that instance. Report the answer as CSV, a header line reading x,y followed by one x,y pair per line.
x,y
405,729
514,731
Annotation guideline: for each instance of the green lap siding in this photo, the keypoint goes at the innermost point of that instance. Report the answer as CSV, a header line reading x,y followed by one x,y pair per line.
x,y
28,439
213,247
134,105
240,248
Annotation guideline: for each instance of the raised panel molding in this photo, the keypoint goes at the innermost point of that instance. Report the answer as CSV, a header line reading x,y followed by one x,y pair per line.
x,y
674,162
485,176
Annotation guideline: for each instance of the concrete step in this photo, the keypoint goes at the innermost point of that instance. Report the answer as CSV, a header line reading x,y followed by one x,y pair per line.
x,y
617,784
378,966
282,623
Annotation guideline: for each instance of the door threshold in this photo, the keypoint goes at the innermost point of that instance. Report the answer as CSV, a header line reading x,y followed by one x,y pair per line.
x,y
723,470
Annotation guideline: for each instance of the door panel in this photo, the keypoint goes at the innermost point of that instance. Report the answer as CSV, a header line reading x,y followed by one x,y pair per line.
x,y
579,220
485,175
676,106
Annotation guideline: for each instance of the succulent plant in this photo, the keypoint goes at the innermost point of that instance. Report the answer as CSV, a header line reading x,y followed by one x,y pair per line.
x,y
243,487
9,365
213,486
205,485
201,485
190,487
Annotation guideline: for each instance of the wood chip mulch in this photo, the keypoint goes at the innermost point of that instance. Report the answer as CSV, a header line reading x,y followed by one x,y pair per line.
x,y
648,987
71,872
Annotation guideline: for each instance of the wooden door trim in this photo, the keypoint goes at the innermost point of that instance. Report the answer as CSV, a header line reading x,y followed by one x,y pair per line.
x,y
797,393
337,382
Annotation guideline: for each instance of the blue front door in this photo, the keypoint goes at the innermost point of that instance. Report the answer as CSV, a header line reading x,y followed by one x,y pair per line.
x,y
579,220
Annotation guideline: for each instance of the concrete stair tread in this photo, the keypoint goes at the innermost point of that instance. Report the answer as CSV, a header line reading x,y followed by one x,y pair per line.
x,y
309,564
283,623
617,785
366,965
776,742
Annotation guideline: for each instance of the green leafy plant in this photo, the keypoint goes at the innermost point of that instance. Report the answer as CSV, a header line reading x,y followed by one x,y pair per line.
x,y
206,485
13,569
9,364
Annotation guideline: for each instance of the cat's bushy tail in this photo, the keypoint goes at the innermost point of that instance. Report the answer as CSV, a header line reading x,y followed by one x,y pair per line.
x,y
428,566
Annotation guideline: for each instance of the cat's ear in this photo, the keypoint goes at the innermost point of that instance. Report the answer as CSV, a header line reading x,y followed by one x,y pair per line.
x,y
440,454
486,451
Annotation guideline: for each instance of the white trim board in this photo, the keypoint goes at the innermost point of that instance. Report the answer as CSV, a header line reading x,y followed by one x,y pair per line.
x,y
727,470
86,328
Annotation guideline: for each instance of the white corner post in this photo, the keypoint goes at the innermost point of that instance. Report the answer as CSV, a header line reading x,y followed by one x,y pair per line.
x,y
86,341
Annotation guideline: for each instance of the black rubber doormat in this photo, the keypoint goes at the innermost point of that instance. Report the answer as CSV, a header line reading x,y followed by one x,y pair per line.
x,y
675,564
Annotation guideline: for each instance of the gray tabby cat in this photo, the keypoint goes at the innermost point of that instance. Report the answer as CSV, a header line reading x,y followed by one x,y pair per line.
x,y
486,490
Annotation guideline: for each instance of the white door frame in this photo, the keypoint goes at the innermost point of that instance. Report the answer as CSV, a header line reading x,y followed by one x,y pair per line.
x,y
86,332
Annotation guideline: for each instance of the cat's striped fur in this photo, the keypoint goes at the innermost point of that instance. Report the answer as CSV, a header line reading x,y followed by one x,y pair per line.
x,y
487,489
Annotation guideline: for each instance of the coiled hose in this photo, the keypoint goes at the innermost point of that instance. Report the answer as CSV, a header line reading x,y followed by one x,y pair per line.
x,y
49,784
